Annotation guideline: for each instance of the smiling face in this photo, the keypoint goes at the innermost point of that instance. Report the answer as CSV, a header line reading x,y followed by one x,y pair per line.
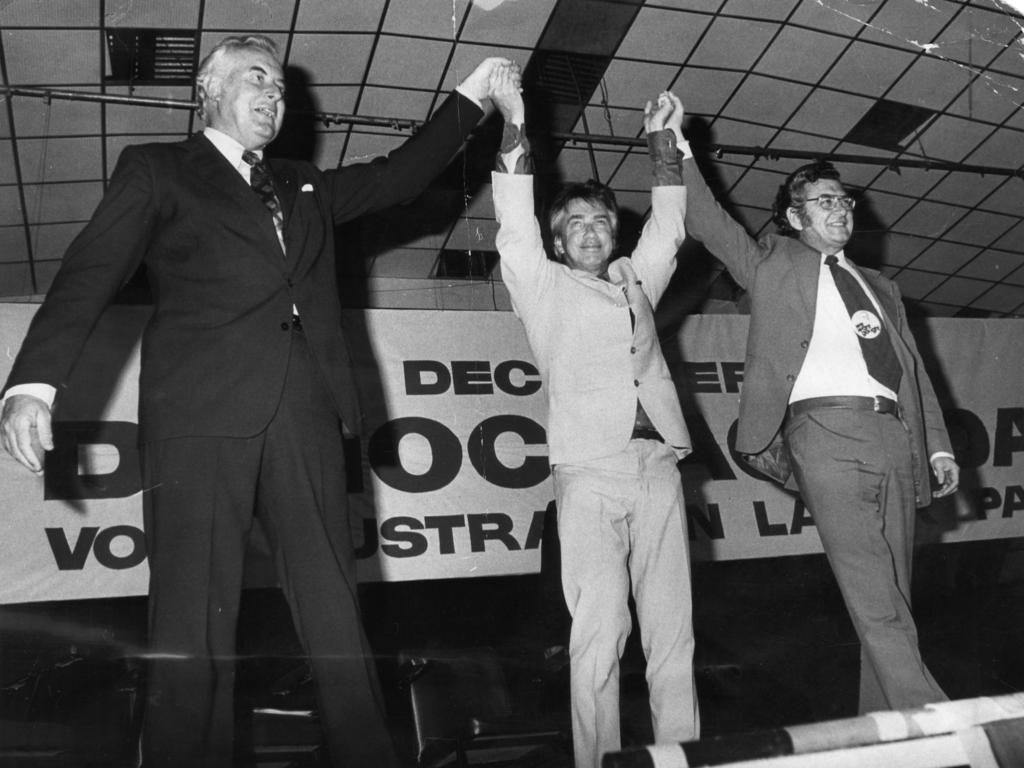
x,y
824,231
584,236
245,97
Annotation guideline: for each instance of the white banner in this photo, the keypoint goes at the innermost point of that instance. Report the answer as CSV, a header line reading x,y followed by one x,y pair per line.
x,y
450,478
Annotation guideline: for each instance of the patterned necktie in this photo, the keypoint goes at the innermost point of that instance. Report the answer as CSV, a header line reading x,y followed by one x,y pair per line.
x,y
875,344
263,185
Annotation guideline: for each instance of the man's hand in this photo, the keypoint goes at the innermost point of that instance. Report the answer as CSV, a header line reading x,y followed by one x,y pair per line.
x,y
478,84
666,113
948,474
506,92
25,430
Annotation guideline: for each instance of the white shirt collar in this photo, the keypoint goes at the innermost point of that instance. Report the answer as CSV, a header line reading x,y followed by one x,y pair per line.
x,y
228,147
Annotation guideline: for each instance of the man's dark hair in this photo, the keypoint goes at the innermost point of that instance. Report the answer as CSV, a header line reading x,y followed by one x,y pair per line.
x,y
590,191
791,191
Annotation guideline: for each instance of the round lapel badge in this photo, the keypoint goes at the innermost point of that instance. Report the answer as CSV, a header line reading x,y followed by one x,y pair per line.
x,y
866,324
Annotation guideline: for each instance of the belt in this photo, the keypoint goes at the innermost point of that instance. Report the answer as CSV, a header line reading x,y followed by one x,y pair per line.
x,y
646,433
876,404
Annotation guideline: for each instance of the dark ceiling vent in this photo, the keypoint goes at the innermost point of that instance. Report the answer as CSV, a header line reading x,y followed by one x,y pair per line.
x,y
568,78
465,265
889,125
151,56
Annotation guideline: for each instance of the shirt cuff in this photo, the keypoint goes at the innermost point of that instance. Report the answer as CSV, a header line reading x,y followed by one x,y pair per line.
x,y
44,392
475,100
942,455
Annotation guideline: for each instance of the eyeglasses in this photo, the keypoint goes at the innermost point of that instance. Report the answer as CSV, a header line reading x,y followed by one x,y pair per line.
x,y
828,202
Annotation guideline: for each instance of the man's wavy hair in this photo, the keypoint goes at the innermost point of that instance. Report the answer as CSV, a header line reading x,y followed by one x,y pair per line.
x,y
792,192
590,191
213,62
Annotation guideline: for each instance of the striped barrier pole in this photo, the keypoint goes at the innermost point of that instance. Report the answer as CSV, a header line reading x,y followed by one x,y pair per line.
x,y
875,728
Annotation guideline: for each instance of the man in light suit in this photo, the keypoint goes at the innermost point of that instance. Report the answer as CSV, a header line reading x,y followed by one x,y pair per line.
x,y
861,449
245,376
615,428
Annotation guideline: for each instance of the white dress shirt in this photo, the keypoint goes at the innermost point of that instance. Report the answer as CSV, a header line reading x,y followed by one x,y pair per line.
x,y
834,364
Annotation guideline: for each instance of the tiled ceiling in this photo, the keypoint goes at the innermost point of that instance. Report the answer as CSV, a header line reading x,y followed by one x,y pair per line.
x,y
766,83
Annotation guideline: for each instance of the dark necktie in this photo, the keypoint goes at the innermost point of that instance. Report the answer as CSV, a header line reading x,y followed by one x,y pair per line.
x,y
263,185
875,344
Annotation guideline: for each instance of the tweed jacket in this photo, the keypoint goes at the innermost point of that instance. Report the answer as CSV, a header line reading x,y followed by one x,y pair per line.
x,y
780,275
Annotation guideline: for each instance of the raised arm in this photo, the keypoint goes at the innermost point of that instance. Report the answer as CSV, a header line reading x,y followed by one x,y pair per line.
x,y
525,268
506,94
654,258
408,170
709,223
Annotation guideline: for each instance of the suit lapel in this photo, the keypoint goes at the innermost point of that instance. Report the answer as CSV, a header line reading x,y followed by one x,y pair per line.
x,y
808,270
285,182
890,312
885,299
209,166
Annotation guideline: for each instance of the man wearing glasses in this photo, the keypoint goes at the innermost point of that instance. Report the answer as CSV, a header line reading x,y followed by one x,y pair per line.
x,y
836,404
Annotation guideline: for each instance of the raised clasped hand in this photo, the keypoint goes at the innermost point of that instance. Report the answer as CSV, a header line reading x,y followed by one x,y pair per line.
x,y
477,84
507,93
666,112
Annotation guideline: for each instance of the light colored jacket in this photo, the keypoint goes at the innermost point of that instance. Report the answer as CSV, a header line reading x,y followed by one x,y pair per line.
x,y
595,366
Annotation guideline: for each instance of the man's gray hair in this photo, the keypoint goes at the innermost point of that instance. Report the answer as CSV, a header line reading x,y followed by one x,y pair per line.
x,y
213,62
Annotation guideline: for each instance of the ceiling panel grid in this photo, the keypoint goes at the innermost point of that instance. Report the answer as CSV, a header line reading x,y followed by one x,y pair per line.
x,y
763,79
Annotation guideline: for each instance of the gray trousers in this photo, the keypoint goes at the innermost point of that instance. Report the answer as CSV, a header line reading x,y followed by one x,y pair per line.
x,y
855,474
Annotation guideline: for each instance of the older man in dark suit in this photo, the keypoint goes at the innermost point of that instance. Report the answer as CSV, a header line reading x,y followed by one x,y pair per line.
x,y
835,388
245,375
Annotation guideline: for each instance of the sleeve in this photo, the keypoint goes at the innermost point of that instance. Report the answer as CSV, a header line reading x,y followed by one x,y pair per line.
x,y
654,258
96,265
935,434
407,171
525,267
721,234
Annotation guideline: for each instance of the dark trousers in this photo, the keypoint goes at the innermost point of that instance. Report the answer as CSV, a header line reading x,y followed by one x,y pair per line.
x,y
854,472
201,498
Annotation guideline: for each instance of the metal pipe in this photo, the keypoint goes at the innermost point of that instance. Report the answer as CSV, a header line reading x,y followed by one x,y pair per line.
x,y
106,98
327,118
892,163
331,118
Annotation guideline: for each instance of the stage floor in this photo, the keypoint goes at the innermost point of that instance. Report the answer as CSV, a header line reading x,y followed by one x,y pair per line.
x,y
774,647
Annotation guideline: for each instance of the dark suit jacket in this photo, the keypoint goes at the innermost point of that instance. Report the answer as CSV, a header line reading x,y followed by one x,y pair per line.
x,y
781,276
215,351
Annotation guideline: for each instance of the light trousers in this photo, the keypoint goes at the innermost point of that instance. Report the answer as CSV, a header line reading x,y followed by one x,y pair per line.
x,y
622,525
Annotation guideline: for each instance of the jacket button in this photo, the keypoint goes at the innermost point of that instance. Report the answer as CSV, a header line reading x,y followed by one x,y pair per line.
x,y
285,326
636,382
632,350
791,377
804,344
